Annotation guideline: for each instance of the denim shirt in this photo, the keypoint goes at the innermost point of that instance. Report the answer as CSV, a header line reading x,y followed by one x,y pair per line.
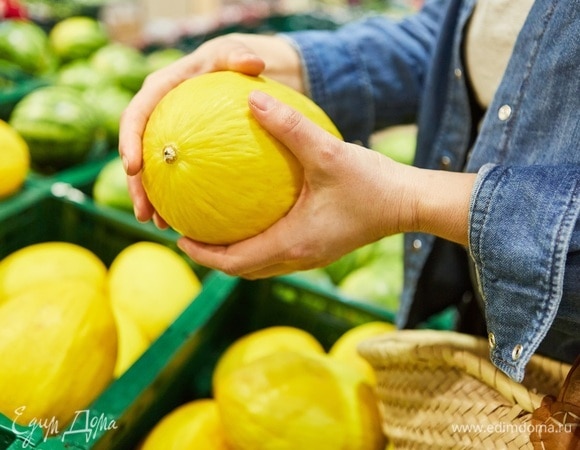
x,y
524,228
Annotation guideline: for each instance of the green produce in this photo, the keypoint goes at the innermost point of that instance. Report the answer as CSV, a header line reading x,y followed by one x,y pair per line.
x,y
125,64
110,101
391,245
398,143
77,37
110,188
161,58
351,261
81,75
59,127
26,44
379,283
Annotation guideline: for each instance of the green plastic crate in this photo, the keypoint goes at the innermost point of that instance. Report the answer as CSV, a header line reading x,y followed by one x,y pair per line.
x,y
27,196
80,172
77,187
62,212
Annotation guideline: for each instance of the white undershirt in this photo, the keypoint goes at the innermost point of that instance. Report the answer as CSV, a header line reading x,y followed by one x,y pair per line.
x,y
489,41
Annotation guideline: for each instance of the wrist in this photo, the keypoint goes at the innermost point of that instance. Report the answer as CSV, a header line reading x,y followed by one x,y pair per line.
x,y
439,203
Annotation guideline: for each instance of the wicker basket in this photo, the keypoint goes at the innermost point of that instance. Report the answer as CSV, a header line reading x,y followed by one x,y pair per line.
x,y
438,390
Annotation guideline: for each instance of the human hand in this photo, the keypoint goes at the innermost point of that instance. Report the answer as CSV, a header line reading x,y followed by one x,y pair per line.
x,y
351,196
223,53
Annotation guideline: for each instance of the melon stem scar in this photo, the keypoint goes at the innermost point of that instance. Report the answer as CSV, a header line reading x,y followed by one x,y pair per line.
x,y
169,154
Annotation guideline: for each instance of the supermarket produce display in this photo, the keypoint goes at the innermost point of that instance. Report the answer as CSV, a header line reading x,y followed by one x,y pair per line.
x,y
27,46
111,337
77,83
178,366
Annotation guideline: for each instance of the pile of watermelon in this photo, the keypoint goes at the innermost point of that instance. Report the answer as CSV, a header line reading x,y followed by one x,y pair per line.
x,y
88,81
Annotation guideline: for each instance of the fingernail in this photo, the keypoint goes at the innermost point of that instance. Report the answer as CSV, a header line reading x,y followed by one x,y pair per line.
x,y
125,163
261,100
137,216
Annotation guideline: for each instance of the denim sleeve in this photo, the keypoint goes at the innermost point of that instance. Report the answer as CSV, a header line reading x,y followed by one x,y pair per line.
x,y
369,74
523,237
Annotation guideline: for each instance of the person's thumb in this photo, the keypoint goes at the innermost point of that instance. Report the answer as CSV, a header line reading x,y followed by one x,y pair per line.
x,y
303,137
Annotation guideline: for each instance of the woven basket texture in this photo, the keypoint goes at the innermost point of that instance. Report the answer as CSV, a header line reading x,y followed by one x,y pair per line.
x,y
439,390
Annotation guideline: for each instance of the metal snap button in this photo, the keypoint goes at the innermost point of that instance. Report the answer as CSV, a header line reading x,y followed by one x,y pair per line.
x,y
445,162
517,352
491,340
504,112
417,244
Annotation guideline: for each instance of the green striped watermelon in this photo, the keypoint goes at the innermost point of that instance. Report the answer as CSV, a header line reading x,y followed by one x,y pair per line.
x,y
125,64
81,75
59,127
26,44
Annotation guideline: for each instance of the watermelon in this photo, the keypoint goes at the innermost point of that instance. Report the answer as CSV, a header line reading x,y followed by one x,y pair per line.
x,y
82,75
59,127
77,37
110,101
26,45
125,64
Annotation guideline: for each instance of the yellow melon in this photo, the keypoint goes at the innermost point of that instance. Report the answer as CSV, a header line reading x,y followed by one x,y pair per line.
x,y
132,341
263,342
153,284
345,348
211,171
39,263
58,343
290,400
14,160
195,425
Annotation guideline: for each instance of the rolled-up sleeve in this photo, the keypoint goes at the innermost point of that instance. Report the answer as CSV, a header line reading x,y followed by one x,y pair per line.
x,y
523,220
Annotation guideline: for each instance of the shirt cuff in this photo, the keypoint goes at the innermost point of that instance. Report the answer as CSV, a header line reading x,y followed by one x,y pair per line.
x,y
521,223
